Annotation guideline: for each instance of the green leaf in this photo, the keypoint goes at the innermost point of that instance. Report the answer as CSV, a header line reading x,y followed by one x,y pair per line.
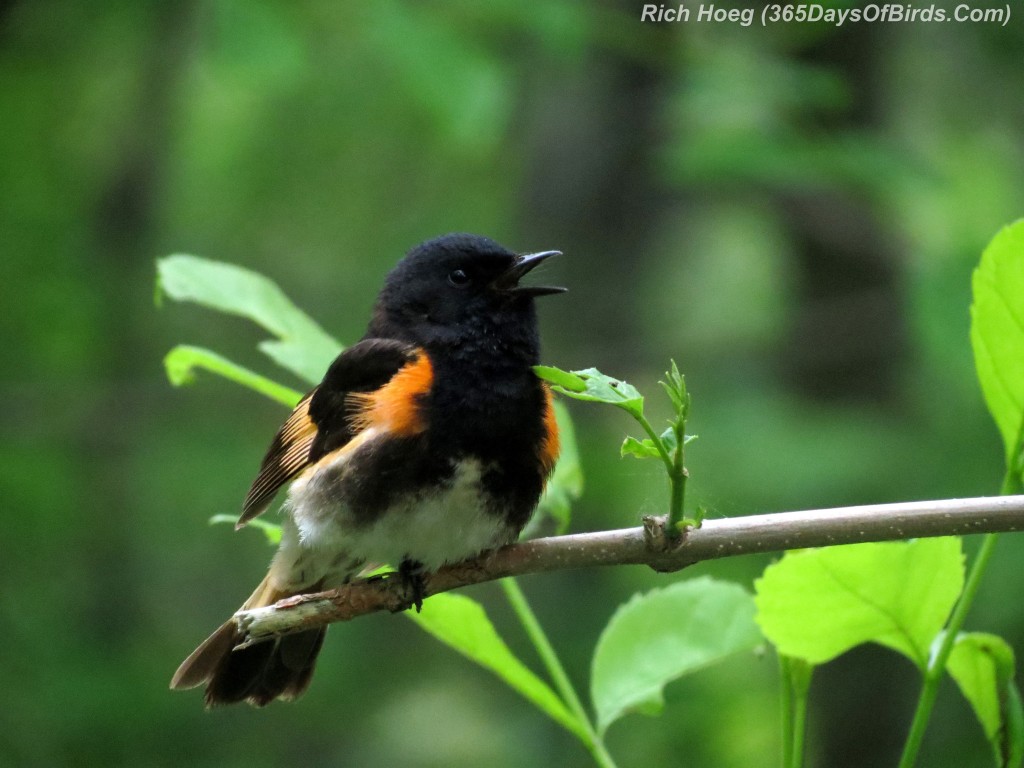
x,y
675,385
668,439
462,624
565,486
557,376
182,361
646,449
997,334
662,635
983,666
302,346
271,530
819,603
640,449
598,388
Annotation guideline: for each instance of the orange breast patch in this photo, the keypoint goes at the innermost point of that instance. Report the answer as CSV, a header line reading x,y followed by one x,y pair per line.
x,y
396,406
549,446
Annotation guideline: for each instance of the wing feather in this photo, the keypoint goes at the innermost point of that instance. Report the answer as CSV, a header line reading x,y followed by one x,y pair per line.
x,y
287,456
326,418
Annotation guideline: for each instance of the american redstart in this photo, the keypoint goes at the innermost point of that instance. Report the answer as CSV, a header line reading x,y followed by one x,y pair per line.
x,y
427,442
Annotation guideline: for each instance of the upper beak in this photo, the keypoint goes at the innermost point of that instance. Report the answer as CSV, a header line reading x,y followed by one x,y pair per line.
x,y
508,281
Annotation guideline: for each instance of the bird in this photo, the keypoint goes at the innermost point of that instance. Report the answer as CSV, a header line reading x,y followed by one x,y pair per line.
x,y
429,441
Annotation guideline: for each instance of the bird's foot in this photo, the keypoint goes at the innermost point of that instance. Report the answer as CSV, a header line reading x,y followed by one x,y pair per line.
x,y
413,577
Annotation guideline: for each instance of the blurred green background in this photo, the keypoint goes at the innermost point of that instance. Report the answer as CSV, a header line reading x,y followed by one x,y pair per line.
x,y
791,213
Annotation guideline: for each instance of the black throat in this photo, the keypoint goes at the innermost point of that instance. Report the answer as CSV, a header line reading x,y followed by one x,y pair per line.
x,y
485,391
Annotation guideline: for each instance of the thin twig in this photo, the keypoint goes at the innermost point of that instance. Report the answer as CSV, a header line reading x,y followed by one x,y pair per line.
x,y
649,546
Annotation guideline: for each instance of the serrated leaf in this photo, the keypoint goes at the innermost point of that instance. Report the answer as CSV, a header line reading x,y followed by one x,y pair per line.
x,y
997,333
557,376
640,449
301,347
599,388
554,512
662,635
462,624
819,603
272,531
983,667
182,361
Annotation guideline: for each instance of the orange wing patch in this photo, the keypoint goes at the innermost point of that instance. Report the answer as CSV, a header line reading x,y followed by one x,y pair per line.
x,y
549,446
396,406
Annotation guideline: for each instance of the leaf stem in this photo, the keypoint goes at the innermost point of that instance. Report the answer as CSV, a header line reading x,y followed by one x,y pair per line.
x,y
799,723
658,443
675,468
677,477
796,682
937,663
786,703
593,742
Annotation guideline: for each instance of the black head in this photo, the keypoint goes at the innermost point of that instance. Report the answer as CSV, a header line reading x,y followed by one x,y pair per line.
x,y
456,287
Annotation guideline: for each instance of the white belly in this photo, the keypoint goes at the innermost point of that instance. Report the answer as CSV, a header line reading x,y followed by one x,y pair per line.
x,y
324,539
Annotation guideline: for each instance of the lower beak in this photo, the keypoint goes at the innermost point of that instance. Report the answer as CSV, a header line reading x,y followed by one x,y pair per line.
x,y
509,280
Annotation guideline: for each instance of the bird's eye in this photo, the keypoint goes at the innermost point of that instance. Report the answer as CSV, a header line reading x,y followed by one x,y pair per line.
x,y
458,278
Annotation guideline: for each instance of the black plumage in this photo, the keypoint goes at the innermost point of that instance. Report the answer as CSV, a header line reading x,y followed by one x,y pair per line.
x,y
427,442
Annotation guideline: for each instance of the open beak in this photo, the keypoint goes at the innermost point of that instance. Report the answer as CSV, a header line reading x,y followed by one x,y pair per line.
x,y
508,281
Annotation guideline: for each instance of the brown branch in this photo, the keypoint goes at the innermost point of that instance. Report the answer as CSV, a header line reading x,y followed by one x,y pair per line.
x,y
648,546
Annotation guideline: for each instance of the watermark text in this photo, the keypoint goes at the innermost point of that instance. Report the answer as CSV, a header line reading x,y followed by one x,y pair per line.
x,y
818,13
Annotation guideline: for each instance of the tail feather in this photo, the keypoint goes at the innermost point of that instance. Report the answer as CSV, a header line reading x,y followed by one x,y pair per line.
x,y
275,668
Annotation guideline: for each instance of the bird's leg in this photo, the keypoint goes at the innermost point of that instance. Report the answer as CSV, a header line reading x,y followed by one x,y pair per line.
x,y
412,574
